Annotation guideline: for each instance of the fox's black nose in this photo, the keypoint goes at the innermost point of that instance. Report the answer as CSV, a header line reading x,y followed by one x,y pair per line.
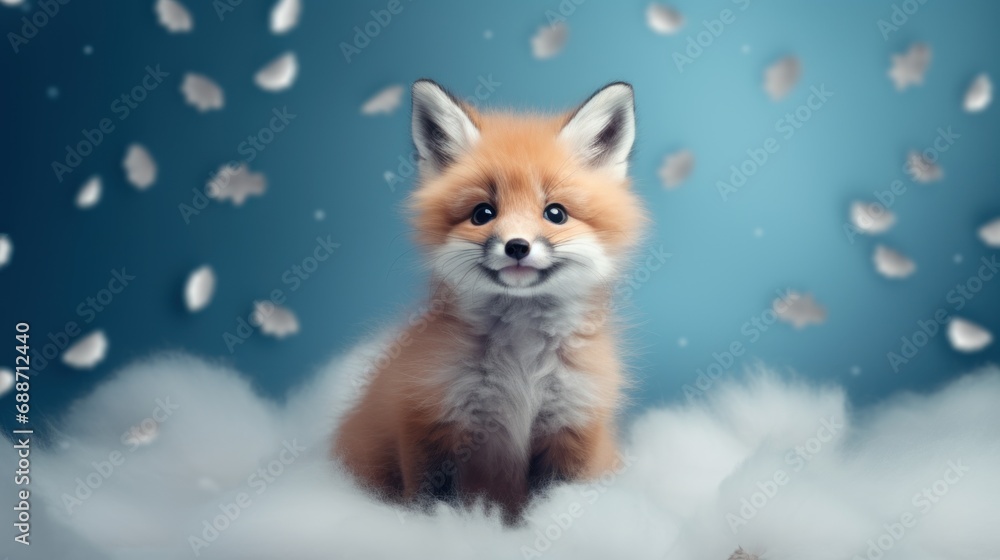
x,y
517,248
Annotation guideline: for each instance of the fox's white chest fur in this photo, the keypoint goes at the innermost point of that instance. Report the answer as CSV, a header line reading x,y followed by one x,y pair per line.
x,y
512,375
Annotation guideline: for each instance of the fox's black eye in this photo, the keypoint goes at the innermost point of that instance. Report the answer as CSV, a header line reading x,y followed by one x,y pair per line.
x,y
482,213
556,214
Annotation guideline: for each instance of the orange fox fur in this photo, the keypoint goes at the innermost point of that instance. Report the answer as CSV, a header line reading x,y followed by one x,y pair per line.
x,y
513,378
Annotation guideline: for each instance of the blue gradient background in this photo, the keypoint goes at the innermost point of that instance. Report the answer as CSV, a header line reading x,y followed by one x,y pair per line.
x,y
331,157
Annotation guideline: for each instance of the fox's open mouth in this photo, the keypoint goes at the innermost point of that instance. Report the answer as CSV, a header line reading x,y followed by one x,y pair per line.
x,y
518,276
519,271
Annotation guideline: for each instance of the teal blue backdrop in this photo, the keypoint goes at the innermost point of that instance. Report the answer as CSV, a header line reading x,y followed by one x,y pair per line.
x,y
783,229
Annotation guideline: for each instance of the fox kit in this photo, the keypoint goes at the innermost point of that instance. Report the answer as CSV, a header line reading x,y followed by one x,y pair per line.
x,y
513,377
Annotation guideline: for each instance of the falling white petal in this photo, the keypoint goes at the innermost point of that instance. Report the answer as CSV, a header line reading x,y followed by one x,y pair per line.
x,y
279,74
11,2
6,381
200,288
663,19
174,16
89,194
990,233
275,320
549,40
893,264
871,218
201,92
6,249
909,68
966,336
980,94
922,169
799,309
87,352
676,168
236,184
285,16
781,77
385,101
140,169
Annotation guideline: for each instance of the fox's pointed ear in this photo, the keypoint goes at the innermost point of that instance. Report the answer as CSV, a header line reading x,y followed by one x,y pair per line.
x,y
602,130
442,129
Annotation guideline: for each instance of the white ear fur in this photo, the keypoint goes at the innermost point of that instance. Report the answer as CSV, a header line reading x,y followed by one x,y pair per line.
x,y
602,130
442,130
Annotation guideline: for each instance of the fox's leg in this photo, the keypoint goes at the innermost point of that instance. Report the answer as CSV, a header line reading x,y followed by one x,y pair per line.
x,y
369,456
492,470
426,465
574,454
413,465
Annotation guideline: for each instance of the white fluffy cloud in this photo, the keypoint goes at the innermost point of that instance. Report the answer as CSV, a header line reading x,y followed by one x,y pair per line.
x,y
689,473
